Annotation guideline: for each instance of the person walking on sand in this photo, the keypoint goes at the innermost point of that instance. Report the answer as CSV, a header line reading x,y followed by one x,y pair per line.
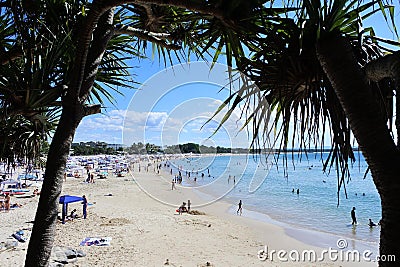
x,y
85,203
239,208
173,185
353,216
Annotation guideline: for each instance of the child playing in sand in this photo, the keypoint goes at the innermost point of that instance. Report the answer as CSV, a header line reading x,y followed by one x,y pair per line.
x,y
73,215
182,208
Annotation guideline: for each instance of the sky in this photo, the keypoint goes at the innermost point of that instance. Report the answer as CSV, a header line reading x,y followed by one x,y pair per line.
x,y
172,104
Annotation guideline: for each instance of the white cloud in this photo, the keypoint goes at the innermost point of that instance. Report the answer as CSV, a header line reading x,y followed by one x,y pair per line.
x,y
161,127
111,121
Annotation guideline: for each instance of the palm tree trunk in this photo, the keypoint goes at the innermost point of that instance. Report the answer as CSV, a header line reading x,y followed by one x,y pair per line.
x,y
43,231
370,129
42,238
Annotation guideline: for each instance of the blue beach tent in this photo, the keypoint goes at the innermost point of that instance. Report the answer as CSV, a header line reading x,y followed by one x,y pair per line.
x,y
65,200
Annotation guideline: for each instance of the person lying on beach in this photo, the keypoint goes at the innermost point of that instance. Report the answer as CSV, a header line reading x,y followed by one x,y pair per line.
x,y
16,205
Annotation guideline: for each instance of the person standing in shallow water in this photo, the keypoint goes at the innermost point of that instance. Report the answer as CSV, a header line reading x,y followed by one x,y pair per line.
x,y
353,216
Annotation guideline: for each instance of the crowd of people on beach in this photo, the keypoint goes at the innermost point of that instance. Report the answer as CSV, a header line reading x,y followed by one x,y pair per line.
x,y
156,165
7,191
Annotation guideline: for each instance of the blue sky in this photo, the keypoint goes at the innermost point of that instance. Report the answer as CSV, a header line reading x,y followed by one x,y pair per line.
x,y
172,106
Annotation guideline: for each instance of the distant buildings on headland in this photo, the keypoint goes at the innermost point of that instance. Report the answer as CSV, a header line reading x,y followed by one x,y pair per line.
x,y
99,144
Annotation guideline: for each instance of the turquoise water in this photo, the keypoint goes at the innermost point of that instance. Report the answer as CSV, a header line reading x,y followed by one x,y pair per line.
x,y
315,207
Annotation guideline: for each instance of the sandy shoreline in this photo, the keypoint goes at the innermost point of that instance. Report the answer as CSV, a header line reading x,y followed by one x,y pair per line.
x,y
146,231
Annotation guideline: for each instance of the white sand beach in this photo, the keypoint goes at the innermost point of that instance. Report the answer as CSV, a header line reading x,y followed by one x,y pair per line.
x,y
147,232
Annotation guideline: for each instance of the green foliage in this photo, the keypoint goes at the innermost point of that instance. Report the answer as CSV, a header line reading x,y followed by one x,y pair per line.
x,y
223,150
152,149
189,148
38,46
44,148
21,139
283,77
83,150
138,148
200,149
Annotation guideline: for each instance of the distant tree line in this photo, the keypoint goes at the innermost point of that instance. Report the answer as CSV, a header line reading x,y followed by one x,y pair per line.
x,y
202,149
190,148
80,150
141,148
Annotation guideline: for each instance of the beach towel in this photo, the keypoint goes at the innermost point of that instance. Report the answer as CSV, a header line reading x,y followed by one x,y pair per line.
x,y
19,237
96,241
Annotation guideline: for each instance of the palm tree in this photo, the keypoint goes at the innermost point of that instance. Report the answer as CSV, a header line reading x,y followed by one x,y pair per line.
x,y
368,123
320,68
37,52
28,106
69,52
95,32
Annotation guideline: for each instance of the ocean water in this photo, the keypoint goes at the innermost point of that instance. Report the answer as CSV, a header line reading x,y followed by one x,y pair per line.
x,y
264,186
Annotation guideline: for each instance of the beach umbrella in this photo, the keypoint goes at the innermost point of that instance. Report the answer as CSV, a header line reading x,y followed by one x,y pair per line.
x,y
65,200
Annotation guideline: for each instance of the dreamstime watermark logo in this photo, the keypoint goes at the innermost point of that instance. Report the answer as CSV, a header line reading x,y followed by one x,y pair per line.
x,y
340,253
178,105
